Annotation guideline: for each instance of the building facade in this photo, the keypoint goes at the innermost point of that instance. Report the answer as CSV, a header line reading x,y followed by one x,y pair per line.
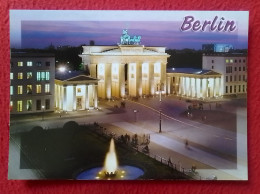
x,y
194,83
233,70
126,70
75,92
32,82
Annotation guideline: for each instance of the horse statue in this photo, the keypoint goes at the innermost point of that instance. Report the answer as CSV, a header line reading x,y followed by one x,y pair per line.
x,y
127,40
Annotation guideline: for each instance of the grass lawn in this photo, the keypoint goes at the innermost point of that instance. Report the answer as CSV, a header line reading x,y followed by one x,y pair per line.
x,y
64,152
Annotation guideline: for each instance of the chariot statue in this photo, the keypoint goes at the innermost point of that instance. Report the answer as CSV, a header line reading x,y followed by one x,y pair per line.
x,y
128,40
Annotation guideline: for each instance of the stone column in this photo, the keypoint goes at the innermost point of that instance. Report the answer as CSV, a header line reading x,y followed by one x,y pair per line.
x,y
74,98
61,97
163,76
95,96
121,80
193,85
108,80
151,79
198,88
65,97
135,79
86,97
204,88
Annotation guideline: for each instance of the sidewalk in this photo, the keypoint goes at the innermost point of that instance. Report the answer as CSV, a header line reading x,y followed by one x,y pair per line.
x,y
191,153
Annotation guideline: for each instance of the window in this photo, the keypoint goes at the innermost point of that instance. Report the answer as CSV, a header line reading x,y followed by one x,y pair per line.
x,y
230,89
226,89
239,68
38,104
212,61
235,61
244,68
19,106
19,89
239,60
38,89
11,76
231,78
29,63
239,78
226,78
79,90
20,75
11,105
47,75
29,89
20,64
47,104
243,88
47,88
29,105
235,68
227,61
29,75
235,89
11,90
39,64
239,88
231,60
12,64
47,63
38,74
244,60
212,67
42,75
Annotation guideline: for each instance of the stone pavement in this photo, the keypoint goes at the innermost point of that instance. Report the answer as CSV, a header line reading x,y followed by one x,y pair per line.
x,y
191,154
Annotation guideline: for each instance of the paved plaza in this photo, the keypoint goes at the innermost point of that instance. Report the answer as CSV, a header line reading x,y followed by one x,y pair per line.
x,y
217,145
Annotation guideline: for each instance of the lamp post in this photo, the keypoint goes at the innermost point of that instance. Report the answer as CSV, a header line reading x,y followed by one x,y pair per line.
x,y
160,124
159,89
135,111
43,112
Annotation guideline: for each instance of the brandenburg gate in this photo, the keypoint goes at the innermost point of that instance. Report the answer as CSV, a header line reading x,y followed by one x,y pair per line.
x,y
128,69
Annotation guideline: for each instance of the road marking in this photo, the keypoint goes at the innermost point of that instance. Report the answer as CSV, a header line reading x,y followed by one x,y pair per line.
x,y
165,115
227,138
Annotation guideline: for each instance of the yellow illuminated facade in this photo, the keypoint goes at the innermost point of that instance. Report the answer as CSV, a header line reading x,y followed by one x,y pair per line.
x,y
126,70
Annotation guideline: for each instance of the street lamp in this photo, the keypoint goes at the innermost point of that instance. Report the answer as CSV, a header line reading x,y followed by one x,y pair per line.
x,y
43,112
135,111
160,124
159,89
62,69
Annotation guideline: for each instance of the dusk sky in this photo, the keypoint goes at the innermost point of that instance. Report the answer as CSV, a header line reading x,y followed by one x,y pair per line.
x,y
41,33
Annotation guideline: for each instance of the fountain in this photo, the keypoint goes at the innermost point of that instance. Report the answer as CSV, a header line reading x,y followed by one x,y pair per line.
x,y
111,170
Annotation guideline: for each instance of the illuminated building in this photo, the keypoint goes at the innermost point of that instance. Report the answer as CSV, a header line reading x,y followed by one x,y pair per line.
x,y
194,83
233,70
122,70
32,82
75,91
128,69
224,48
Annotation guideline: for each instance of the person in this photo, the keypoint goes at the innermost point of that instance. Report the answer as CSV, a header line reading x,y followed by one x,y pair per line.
x,y
186,143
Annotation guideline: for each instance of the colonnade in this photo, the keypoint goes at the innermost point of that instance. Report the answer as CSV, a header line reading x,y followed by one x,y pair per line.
x,y
199,87
142,78
76,97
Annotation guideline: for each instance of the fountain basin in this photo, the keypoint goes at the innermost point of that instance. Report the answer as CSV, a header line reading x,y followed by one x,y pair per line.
x,y
122,173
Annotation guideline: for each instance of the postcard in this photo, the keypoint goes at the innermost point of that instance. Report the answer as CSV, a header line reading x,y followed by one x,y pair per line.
x,y
128,95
